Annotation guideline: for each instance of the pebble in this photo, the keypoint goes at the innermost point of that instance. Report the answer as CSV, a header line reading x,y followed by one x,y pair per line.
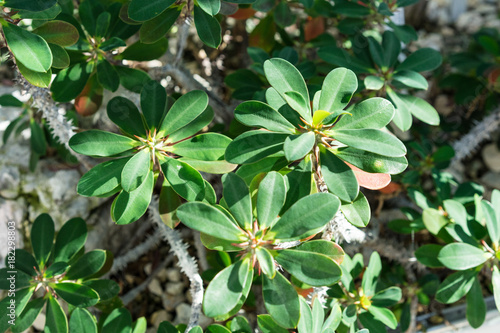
x,y
173,275
175,288
491,157
469,22
183,314
162,275
491,179
155,287
160,316
443,105
171,301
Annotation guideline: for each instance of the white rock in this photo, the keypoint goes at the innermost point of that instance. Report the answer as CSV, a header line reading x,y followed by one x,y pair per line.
x,y
175,288
173,275
10,182
491,156
491,179
469,22
155,287
183,313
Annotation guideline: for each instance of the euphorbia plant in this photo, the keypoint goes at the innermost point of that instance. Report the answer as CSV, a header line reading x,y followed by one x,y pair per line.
x,y
334,138
253,225
160,140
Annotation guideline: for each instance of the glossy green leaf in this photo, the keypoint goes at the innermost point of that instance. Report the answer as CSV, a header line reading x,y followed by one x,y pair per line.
x,y
39,79
136,170
24,262
309,267
107,75
58,32
384,315
60,57
392,48
145,52
338,176
89,11
70,239
215,167
376,52
56,268
427,255
140,325
371,140
184,179
87,265
226,289
237,196
425,59
205,147
476,307
168,203
76,294
421,109
297,102
125,115
281,300
42,238
139,11
258,114
342,58
278,103
338,88
166,327
114,43
495,280
387,297
35,6
461,256
266,262
411,79
252,146
270,198
306,321
492,223
284,77
371,274
298,146
9,100
100,143
358,212
37,140
102,180
28,48
434,220
209,220
156,28
82,321
371,162
372,113
69,82
211,7
132,79
455,286
153,104
268,325
106,289
18,303
128,207
55,318
10,279
349,315
44,14
118,321
28,316
194,126
185,110
327,248
208,28
373,82
306,217
402,116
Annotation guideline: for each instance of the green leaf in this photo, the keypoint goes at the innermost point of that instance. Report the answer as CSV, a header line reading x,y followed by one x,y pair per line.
x,y
371,140
60,57
253,146
45,14
209,220
42,238
76,294
298,146
58,32
106,289
342,58
9,100
17,303
125,115
38,79
338,88
312,268
136,170
349,315
101,143
55,318
411,79
37,139
107,75
237,196
284,77
184,179
373,82
31,5
225,290
128,207
208,28
258,114
387,297
205,147
10,279
425,59
82,321
156,28
114,43
371,162
70,239
145,52
140,11
28,316
495,280
358,212
270,198
268,325
25,262
166,327
28,48
420,109
184,111
215,167
455,286
153,104
118,321
89,11
434,220
428,255
132,79
384,315
306,321
338,176
140,325
69,82
476,307
306,217
392,47
211,7
281,300
327,248
87,265
266,261
402,116
492,223
102,180
297,102
461,256
374,113
371,274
